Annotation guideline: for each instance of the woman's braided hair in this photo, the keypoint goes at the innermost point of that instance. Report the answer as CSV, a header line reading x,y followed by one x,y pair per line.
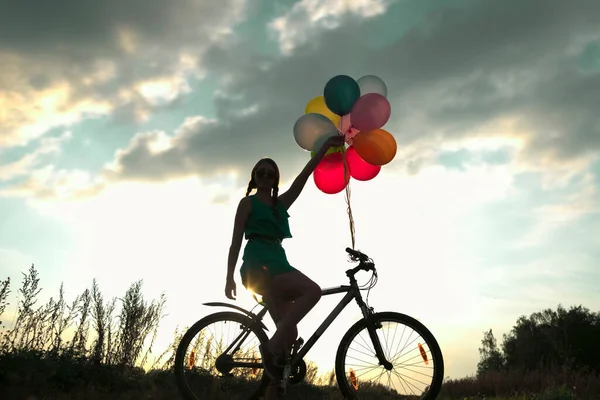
x,y
275,188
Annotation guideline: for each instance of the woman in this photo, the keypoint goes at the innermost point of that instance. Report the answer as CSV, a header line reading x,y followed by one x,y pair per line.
x,y
263,218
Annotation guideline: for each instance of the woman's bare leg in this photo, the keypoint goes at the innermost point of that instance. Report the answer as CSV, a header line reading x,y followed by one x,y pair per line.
x,y
281,308
277,308
305,294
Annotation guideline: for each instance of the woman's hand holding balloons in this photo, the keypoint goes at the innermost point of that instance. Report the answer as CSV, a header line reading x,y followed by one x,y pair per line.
x,y
333,141
351,112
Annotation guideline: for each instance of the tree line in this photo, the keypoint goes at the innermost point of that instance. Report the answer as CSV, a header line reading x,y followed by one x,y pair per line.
x,y
545,339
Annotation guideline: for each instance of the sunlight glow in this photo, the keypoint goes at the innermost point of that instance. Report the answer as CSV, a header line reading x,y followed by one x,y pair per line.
x,y
46,109
163,90
176,238
160,142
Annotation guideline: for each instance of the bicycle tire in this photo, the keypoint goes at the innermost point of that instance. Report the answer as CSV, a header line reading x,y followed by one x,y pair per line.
x,y
340,367
195,329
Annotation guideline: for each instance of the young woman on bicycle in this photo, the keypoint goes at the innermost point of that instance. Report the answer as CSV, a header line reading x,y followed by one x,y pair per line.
x,y
263,218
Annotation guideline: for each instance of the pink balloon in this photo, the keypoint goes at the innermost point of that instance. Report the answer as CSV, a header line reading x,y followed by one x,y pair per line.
x,y
370,111
346,128
329,174
359,168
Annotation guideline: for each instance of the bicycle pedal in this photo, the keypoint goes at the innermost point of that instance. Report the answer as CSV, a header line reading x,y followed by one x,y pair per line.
x,y
286,370
282,390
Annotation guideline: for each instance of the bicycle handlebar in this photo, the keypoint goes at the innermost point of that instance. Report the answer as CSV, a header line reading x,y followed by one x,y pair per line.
x,y
365,263
357,254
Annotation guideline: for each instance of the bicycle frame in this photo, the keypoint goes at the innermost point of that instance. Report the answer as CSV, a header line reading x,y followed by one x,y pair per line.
x,y
352,292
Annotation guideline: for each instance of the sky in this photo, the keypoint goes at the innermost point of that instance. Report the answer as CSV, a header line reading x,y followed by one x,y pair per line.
x,y
129,129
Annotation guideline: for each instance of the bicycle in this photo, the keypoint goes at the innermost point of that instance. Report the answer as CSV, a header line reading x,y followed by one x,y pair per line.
x,y
246,368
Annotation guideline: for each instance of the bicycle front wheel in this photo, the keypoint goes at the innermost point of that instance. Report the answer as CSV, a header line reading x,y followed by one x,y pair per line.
x,y
220,353
418,366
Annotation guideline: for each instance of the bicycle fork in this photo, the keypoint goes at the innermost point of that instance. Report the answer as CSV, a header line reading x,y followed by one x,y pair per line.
x,y
372,327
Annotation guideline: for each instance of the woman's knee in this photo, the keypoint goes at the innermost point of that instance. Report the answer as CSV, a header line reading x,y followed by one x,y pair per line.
x,y
314,291
310,287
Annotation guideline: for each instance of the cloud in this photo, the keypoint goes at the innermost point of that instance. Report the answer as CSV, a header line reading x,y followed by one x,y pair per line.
x,y
21,167
56,185
457,72
578,199
16,168
72,61
307,18
482,77
88,28
534,281
27,113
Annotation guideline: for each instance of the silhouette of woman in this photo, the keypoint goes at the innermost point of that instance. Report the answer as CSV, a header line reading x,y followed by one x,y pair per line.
x,y
263,218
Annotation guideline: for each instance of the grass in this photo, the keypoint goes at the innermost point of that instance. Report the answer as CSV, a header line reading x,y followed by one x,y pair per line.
x,y
92,348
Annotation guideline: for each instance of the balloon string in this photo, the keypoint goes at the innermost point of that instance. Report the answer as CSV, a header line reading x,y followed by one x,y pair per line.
x,y
349,208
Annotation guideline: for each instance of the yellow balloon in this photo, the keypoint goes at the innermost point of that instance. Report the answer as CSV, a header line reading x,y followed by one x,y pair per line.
x,y
317,105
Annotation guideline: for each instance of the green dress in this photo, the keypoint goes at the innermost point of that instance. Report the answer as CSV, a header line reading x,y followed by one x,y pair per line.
x,y
263,259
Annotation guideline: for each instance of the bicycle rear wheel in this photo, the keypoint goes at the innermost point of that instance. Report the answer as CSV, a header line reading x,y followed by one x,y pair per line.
x,y
418,366
220,353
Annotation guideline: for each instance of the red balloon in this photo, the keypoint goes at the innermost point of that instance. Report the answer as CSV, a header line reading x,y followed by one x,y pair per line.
x,y
370,111
359,168
329,174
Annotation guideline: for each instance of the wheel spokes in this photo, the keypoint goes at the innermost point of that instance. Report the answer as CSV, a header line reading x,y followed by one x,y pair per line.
x,y
224,355
413,364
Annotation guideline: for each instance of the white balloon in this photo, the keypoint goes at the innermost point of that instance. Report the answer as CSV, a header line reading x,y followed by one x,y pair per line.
x,y
372,84
312,129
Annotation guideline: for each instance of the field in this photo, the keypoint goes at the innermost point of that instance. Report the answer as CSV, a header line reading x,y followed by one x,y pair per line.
x,y
106,356
30,375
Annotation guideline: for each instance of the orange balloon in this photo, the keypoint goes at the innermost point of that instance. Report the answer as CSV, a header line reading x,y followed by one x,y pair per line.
x,y
377,147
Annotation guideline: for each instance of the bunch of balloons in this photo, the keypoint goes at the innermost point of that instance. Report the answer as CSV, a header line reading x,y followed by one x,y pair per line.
x,y
356,109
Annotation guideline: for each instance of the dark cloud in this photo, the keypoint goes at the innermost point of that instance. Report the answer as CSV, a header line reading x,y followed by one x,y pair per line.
x,y
458,69
101,49
502,59
566,115
85,28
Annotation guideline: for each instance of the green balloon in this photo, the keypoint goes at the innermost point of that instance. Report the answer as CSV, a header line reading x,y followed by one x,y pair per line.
x,y
340,149
340,94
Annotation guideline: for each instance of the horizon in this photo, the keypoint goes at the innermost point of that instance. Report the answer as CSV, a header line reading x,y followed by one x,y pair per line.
x,y
128,139
325,367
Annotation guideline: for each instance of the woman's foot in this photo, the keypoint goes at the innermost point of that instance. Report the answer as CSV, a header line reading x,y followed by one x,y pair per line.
x,y
269,359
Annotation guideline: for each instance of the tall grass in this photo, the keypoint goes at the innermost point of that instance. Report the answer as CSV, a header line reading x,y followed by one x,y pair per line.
x,y
60,346
43,328
97,348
